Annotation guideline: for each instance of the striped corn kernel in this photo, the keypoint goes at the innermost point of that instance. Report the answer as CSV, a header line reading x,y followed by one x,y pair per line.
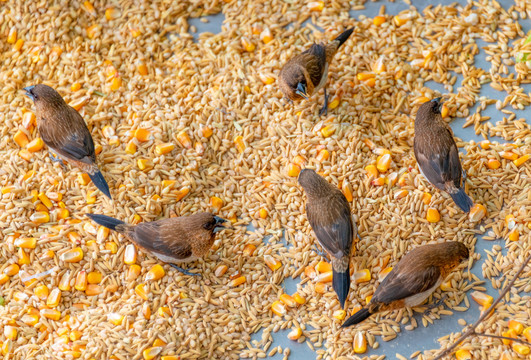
x,y
155,273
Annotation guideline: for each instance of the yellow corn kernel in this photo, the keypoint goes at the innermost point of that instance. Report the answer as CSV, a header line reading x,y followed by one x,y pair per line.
x,y
170,183
294,334
316,5
41,208
262,213
26,243
463,354
521,160
102,234
323,267
360,343
159,342
41,291
3,279
272,263
249,249
140,290
238,281
91,31
136,219
115,318
94,277
184,191
90,8
29,175
510,221
151,352
477,212
20,138
206,131
433,215
401,194
133,272
485,144
364,76
310,272
10,332
240,144
184,139
135,32
11,270
64,283
51,314
108,131
444,111
293,170
81,281
131,147
378,20
324,277
130,254
44,199
400,20
75,86
378,182
83,179
288,300
35,145
12,37
111,13
23,257
266,36
142,68
347,191
510,333
328,130
40,217
379,66
299,299
514,235
521,349
527,333
482,298
221,270
334,103
362,276
165,148
370,82
54,298
28,120
509,155
426,198
247,45
516,326
372,171
320,288
266,79
75,335
339,314
402,181
30,319
164,311
142,135
20,296
170,357
278,308
216,203
144,164
93,290
73,255
323,155
116,83
155,273
298,160
506,355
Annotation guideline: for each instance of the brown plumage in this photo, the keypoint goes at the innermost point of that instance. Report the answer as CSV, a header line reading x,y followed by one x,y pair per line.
x,y
437,154
174,240
64,131
413,279
328,213
305,74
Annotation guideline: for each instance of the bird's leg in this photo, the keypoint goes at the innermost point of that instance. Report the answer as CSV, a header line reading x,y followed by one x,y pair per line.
x,y
324,109
288,100
184,271
56,158
319,252
435,305
464,176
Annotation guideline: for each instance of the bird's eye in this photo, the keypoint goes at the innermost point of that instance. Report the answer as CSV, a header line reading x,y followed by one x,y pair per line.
x,y
210,225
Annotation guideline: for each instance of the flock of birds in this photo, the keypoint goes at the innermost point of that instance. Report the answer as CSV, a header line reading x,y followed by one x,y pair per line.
x,y
182,239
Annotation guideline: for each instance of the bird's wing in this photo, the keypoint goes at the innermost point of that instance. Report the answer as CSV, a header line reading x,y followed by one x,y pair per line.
x,y
399,285
70,139
315,59
332,225
148,235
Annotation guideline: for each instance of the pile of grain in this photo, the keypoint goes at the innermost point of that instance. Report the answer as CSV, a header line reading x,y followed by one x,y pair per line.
x,y
217,83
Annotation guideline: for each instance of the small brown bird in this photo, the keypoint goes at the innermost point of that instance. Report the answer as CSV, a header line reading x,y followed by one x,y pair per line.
x,y
64,131
413,279
173,240
328,213
437,154
306,73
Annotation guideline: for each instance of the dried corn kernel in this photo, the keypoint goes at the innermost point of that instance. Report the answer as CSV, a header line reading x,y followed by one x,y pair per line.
x,y
294,334
42,292
514,235
426,198
26,243
527,333
30,319
378,182
238,281
91,31
266,36
54,298
521,160
299,299
379,66
73,255
372,171
159,342
3,279
142,68
433,215
81,281
521,349
133,272
509,155
364,76
310,272
323,155
144,164
477,212
516,326
135,32
362,276
51,314
130,254
35,145
206,131
323,266
247,45
249,249
463,354
165,148
155,273
64,283
278,308
328,130
140,290
94,277
401,194
221,270
392,178
131,147
378,20
184,139
152,352
360,343
482,298
12,36
10,332
11,270
20,138
266,79
339,314
240,144
293,170
272,263
90,8
142,135
316,5
288,300
216,203
44,199
320,288
324,277
115,318
509,334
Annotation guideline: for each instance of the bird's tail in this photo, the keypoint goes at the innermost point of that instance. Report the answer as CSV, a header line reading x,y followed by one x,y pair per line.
x,y
341,284
107,221
462,200
98,180
357,318
343,36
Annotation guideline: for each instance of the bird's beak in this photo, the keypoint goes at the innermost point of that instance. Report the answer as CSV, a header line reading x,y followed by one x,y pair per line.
x,y
28,92
301,90
219,224
439,102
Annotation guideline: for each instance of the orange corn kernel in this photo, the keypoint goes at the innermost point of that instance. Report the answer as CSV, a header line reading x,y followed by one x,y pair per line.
x,y
527,333
64,283
509,155
28,120
272,263
433,215
360,343
323,155
142,135
378,182
142,68
444,111
81,281
18,45
159,342
51,314
179,194
45,200
339,314
517,326
249,249
135,32
294,334
35,145
130,254
30,319
266,36
54,298
266,79
323,266
401,194
12,36
463,354
288,300
111,13
115,318
91,31
514,235
11,270
364,76
362,276
26,243
278,308
485,144
325,277
165,148
151,352
316,5
521,349
510,334
3,279
293,170
155,273
372,171
299,299
140,290
83,179
379,66
206,131
131,147
133,272
521,160
247,45
298,160
482,298
144,164
477,212
216,203
510,221
116,83
90,8
184,139
378,20
75,86
310,272
20,138
73,255
42,292
426,198
262,213
347,191
221,270
238,281
320,288
328,130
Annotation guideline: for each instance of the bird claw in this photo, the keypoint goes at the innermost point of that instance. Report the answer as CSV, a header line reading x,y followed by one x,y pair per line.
x,y
324,109
319,252
55,158
464,176
435,305
184,271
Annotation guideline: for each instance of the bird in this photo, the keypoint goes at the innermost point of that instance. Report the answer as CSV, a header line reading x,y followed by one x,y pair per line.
x,y
328,213
306,73
65,133
174,240
413,279
437,155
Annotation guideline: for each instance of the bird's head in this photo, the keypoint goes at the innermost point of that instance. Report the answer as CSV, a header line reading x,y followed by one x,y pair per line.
x,y
436,105
207,223
293,82
429,111
43,94
312,183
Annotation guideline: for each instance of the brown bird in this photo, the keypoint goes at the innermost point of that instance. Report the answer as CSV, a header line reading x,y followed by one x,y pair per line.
x,y
413,279
306,73
64,131
328,213
173,240
437,154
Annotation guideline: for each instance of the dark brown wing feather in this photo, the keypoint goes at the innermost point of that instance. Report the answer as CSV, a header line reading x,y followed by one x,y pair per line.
x,y
315,62
68,135
151,237
402,283
332,223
